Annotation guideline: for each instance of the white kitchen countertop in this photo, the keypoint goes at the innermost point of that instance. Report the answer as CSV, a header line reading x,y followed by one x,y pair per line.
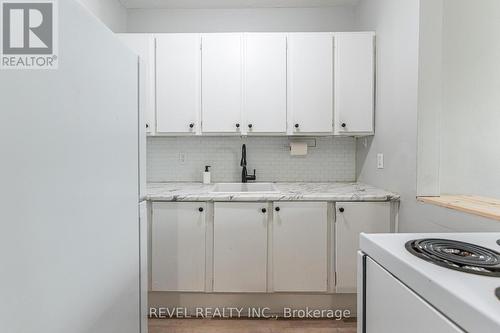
x,y
286,192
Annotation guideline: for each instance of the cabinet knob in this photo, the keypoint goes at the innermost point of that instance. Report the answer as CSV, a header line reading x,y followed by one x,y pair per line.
x,y
277,209
191,125
297,125
344,125
237,125
250,125
147,125
264,210
200,209
341,209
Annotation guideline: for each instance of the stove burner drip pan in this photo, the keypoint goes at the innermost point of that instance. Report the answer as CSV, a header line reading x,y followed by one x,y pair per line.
x,y
460,256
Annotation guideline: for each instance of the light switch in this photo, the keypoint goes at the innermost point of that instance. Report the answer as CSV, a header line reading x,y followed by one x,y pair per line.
x,y
182,157
380,161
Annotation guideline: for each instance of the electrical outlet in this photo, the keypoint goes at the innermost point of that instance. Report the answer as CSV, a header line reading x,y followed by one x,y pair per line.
x,y
380,161
182,157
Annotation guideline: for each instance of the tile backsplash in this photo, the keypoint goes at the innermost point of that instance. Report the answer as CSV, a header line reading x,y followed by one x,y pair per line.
x,y
183,159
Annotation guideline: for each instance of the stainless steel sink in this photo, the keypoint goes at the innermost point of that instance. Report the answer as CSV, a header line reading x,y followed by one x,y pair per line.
x,y
245,188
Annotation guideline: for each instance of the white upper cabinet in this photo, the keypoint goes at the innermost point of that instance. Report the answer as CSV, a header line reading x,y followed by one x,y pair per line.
x,y
222,66
265,83
257,83
178,82
310,83
354,83
143,46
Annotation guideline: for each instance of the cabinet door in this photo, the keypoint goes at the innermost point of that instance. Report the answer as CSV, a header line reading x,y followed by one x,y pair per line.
x,y
222,83
178,247
353,218
310,83
240,247
265,83
354,83
143,46
300,250
178,80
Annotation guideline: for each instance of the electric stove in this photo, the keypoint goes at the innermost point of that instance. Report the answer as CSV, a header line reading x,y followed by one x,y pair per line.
x,y
429,282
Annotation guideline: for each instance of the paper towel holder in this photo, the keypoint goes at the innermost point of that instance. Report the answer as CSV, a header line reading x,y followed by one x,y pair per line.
x,y
311,142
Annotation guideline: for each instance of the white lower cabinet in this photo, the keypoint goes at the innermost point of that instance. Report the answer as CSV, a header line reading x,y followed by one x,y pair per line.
x,y
240,247
178,246
300,247
260,247
353,218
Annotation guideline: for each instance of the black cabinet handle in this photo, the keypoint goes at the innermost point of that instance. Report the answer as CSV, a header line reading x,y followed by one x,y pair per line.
x,y
250,125
344,125
237,125
147,125
277,209
297,125
191,125
200,209
341,209
264,210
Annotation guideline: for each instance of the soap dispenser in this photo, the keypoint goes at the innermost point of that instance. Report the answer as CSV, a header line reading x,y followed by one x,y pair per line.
x,y
206,175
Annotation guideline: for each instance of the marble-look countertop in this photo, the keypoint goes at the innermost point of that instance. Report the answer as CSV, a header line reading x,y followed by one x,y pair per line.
x,y
285,192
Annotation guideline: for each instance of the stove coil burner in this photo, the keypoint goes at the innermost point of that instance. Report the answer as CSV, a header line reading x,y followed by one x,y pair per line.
x,y
457,255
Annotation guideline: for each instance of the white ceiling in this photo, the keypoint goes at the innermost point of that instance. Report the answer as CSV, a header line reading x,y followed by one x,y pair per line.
x,y
191,4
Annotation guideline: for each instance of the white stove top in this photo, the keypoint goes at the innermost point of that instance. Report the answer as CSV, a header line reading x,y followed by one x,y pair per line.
x,y
467,299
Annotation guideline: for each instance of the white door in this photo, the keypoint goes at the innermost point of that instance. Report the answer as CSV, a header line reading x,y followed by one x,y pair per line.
x,y
240,247
353,218
178,246
354,83
178,83
222,83
265,83
300,250
310,83
391,307
143,45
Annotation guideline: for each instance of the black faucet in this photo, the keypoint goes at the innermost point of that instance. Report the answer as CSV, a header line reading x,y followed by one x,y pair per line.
x,y
245,177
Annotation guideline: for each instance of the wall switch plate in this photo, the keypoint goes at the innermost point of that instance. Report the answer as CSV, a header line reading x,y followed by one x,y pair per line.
x,y
380,161
182,157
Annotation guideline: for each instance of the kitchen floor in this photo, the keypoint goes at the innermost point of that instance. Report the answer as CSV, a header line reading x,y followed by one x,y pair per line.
x,y
250,326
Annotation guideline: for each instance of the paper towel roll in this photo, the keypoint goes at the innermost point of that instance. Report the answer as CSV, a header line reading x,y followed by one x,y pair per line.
x,y
298,148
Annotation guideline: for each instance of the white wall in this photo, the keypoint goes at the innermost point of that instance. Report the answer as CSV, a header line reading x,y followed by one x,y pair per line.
x,y
430,101
339,18
110,12
408,39
396,23
470,160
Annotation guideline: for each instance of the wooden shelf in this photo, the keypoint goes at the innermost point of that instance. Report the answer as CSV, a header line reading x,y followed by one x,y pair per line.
x,y
485,207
